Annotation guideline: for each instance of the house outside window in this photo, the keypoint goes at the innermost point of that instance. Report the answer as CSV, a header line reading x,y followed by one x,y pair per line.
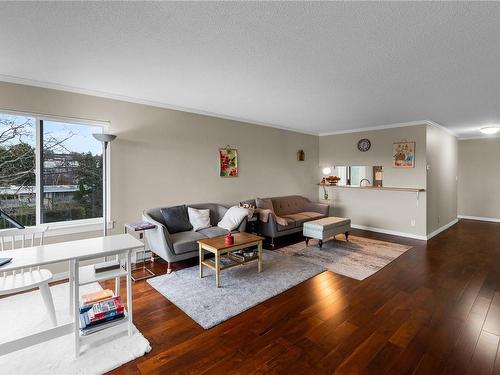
x,y
50,170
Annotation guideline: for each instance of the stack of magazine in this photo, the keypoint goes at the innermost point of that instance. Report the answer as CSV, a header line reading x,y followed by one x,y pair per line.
x,y
245,254
100,310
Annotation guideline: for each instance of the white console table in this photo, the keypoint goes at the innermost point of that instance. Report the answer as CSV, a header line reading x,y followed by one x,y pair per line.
x,y
75,252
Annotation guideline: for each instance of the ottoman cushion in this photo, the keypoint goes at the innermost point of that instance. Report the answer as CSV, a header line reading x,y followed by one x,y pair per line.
x,y
327,227
328,223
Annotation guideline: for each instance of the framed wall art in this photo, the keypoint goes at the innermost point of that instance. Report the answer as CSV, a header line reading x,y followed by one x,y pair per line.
x,y
228,162
403,155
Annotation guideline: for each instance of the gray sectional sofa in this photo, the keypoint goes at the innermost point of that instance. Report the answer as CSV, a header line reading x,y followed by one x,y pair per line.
x,y
296,210
182,245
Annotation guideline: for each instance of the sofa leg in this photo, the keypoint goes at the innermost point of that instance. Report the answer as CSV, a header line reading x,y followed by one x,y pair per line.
x,y
169,267
320,243
272,242
307,241
346,236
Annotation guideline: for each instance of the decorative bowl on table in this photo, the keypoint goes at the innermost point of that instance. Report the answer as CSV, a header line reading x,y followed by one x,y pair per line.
x,y
332,180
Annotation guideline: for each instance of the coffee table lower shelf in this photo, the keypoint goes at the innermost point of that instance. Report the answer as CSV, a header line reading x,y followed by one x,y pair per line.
x,y
219,249
210,263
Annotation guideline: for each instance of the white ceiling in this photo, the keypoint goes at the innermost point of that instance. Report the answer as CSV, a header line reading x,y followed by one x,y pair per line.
x,y
314,67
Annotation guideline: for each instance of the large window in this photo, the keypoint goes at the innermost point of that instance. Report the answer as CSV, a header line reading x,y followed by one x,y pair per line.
x,y
50,171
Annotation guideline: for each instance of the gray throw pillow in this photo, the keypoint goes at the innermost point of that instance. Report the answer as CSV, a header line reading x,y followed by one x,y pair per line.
x,y
176,219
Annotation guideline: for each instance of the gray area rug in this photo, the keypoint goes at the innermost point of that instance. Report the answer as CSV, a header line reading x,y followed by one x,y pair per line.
x,y
241,287
358,258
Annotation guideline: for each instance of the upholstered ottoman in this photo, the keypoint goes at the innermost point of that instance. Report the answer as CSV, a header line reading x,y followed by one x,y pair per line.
x,y
325,228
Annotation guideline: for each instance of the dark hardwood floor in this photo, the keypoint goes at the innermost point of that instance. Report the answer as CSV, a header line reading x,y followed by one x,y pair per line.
x,y
434,310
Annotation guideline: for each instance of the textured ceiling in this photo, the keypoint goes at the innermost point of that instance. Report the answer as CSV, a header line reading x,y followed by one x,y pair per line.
x,y
315,67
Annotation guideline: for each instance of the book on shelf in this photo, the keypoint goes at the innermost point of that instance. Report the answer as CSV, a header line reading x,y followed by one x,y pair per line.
x,y
87,330
4,261
140,226
96,296
244,255
107,266
101,312
225,261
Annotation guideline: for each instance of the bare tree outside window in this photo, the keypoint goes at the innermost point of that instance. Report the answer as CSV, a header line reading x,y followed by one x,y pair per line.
x,y
71,171
17,168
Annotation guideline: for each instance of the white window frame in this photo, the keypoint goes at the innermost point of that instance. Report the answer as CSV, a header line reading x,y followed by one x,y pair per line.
x,y
71,226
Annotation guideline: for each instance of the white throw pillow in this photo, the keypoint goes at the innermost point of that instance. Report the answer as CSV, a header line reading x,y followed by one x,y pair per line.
x,y
199,219
233,218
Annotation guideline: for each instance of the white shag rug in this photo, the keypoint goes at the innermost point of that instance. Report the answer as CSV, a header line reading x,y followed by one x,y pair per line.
x,y
25,314
241,288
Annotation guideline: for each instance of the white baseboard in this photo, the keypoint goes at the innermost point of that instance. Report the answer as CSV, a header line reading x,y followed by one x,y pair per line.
x,y
443,228
491,219
391,232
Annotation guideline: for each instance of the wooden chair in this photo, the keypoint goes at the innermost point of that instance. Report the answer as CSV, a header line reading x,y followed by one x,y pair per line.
x,y
29,278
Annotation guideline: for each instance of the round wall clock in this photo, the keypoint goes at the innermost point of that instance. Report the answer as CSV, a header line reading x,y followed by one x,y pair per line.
x,y
364,145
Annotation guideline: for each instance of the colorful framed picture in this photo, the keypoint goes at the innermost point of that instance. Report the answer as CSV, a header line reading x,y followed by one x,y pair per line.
x,y
403,155
228,162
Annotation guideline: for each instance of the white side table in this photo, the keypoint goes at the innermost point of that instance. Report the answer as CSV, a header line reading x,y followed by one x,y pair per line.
x,y
141,227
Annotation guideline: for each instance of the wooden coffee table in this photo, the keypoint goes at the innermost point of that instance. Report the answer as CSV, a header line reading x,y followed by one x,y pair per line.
x,y
217,247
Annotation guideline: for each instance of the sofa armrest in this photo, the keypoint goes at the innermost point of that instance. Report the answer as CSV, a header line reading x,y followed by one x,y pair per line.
x,y
159,239
268,229
318,207
243,225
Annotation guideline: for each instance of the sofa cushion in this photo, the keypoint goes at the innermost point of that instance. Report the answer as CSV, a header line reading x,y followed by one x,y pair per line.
x,y
176,219
289,204
298,218
184,242
199,219
233,218
312,215
213,232
291,225
217,211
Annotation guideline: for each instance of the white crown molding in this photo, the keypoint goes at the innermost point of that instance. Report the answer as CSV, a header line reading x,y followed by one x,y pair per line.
x,y
485,136
151,103
432,123
391,126
371,128
107,95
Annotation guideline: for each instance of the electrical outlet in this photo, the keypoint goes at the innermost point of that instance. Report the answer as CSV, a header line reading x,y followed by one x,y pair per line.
x,y
412,222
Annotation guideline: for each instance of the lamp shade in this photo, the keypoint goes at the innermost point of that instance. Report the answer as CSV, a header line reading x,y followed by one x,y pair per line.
x,y
103,137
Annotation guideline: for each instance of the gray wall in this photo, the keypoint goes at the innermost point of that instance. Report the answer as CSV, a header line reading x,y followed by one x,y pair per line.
x,y
341,149
165,157
442,158
390,211
479,178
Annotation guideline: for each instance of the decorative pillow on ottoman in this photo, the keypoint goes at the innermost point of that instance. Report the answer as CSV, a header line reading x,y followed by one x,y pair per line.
x,y
233,218
176,219
199,219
